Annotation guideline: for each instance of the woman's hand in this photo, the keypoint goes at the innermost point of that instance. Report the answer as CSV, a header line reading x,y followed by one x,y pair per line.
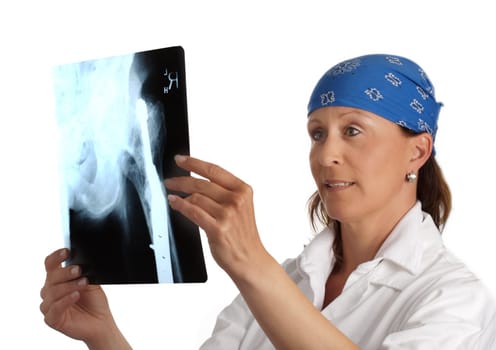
x,y
76,309
222,205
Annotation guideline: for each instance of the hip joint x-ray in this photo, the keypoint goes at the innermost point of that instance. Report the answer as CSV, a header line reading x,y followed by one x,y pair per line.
x,y
121,121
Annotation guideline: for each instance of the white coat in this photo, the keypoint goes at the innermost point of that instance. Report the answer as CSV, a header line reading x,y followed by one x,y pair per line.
x,y
413,295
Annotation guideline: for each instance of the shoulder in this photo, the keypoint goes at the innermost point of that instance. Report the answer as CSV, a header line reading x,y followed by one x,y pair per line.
x,y
448,289
445,303
447,272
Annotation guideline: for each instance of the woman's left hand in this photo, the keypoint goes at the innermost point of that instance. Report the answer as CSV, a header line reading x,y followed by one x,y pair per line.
x,y
222,205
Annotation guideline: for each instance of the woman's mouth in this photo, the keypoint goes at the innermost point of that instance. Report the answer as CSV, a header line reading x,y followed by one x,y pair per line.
x,y
336,185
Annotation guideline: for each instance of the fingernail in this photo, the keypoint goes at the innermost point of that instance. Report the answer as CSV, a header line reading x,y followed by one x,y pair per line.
x,y
172,198
83,281
180,158
75,271
63,253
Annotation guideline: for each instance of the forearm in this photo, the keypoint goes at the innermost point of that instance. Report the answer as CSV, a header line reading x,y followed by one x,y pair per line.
x,y
111,339
284,313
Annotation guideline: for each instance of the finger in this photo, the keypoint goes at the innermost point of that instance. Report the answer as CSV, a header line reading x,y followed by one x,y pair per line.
x,y
210,206
55,259
193,212
61,275
189,185
54,314
209,171
53,293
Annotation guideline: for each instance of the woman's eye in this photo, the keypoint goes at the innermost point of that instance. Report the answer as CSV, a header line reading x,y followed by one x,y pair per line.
x,y
316,135
351,131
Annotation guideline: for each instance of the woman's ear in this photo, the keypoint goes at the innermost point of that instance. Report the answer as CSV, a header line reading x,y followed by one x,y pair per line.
x,y
421,149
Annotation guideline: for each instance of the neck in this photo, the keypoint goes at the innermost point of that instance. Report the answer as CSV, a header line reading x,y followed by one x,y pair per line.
x,y
362,239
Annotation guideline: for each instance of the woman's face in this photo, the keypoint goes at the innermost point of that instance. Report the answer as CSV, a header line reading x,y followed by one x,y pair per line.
x,y
359,161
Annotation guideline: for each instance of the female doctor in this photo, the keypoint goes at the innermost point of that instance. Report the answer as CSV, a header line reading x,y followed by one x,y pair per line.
x,y
377,277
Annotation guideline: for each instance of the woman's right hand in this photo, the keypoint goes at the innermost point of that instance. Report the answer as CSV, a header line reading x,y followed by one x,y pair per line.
x,y
75,308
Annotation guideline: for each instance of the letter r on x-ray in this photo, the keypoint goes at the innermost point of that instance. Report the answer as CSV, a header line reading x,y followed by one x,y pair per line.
x,y
172,80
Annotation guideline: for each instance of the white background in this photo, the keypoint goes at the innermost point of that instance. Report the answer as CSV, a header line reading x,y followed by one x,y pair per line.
x,y
250,70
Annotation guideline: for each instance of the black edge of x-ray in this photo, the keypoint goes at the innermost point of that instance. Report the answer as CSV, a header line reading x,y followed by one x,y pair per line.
x,y
113,250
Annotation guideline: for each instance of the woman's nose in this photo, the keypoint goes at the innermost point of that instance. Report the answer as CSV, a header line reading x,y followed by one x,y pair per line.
x,y
330,152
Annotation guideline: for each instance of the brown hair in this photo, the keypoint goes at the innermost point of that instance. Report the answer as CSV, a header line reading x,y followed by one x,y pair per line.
x,y
432,191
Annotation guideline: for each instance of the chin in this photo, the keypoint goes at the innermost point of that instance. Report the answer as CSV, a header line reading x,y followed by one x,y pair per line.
x,y
340,213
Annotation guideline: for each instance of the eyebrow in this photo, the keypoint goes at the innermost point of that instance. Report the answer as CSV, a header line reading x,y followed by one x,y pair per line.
x,y
312,121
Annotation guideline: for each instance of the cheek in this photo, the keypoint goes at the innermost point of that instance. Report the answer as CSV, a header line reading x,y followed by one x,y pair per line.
x,y
314,164
382,169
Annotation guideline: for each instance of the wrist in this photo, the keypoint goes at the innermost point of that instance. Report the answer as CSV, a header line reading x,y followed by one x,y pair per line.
x,y
255,271
110,338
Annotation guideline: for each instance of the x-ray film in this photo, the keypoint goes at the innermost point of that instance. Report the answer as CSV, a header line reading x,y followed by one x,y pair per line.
x,y
121,121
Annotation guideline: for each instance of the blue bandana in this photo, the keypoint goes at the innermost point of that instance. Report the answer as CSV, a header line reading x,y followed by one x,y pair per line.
x,y
390,86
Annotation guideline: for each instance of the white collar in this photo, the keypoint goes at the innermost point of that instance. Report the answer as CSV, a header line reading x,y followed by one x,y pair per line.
x,y
413,237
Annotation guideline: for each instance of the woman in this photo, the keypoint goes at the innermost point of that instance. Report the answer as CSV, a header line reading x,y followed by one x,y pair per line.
x,y
378,275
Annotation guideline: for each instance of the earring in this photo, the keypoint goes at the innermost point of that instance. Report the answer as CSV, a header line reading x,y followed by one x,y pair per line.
x,y
411,176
